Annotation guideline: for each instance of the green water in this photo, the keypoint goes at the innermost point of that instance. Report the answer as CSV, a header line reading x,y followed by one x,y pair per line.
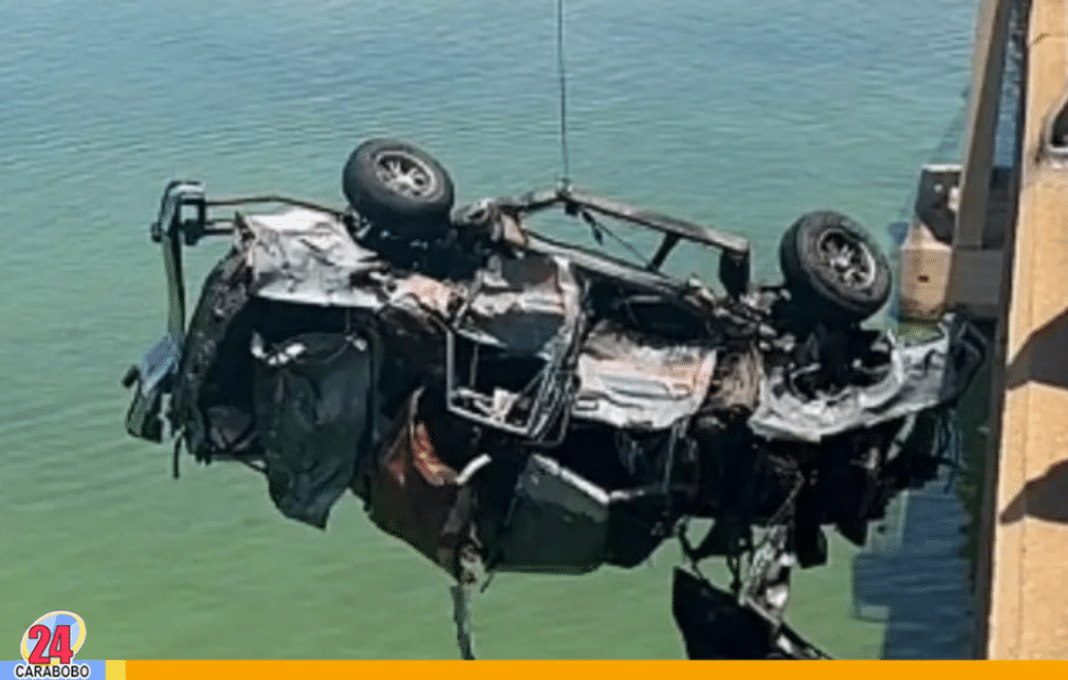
x,y
736,113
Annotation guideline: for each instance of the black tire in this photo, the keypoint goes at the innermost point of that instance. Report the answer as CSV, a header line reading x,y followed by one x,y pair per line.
x,y
832,263
400,188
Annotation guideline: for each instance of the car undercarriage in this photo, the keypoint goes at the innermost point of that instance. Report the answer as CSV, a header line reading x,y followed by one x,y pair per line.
x,y
504,401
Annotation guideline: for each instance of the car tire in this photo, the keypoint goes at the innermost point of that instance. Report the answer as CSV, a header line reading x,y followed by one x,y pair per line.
x,y
399,187
832,263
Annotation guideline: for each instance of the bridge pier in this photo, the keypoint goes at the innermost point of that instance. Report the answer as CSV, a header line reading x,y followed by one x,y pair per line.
x,y
998,248
1028,602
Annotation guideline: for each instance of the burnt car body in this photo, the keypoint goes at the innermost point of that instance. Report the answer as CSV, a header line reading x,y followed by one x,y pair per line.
x,y
506,402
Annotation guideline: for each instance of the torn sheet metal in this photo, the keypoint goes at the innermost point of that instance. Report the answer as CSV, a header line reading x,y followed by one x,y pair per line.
x,y
413,495
630,381
521,307
524,304
921,376
308,257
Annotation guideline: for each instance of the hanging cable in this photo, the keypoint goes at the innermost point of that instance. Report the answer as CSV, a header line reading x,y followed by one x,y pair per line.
x,y
565,181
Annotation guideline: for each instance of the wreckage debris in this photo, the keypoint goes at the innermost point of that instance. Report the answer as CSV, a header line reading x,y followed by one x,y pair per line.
x,y
503,401
714,627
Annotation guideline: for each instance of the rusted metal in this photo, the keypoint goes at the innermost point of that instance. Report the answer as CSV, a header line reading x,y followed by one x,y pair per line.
x,y
585,446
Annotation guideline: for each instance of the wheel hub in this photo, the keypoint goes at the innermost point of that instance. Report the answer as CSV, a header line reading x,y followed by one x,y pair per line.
x,y
851,261
405,174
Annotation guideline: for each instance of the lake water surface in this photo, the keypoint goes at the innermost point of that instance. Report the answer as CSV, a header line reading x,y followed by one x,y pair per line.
x,y
737,113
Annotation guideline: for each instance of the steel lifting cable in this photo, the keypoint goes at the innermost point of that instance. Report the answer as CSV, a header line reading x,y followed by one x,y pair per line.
x,y
565,181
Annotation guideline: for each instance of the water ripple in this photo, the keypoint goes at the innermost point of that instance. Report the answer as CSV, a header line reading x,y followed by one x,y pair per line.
x,y
736,113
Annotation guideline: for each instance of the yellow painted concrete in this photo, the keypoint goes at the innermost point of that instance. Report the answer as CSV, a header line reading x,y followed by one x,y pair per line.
x,y
1029,585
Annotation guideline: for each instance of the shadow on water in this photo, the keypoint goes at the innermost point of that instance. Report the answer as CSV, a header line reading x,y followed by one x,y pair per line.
x,y
919,587
921,579
917,572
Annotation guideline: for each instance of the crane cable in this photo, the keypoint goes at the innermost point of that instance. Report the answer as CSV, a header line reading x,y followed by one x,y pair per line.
x,y
565,181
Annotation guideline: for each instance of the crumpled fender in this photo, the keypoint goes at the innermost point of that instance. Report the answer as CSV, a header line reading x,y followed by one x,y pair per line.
x,y
923,375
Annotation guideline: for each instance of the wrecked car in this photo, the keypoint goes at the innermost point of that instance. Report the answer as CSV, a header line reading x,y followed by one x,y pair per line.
x,y
503,400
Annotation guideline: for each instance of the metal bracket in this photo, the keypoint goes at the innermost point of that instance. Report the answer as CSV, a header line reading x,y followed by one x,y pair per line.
x,y
470,571
765,589
152,377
